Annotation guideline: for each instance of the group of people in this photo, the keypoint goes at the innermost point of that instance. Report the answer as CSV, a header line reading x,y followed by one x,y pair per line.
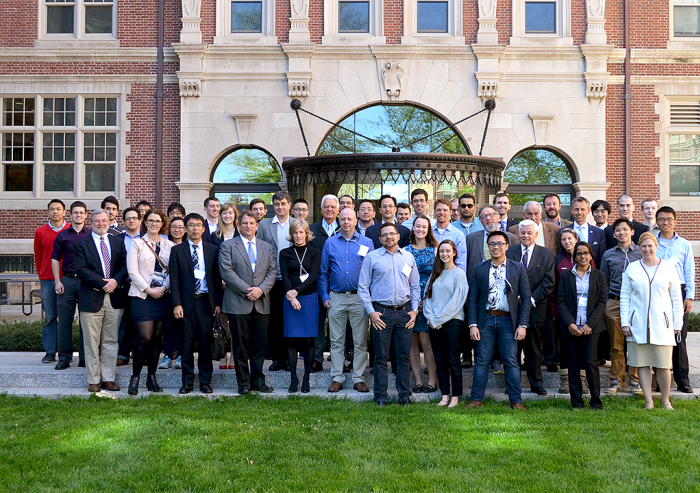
x,y
467,287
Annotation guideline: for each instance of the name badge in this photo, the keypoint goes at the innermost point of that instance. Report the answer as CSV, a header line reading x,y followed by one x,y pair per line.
x,y
364,250
303,277
406,270
198,274
583,301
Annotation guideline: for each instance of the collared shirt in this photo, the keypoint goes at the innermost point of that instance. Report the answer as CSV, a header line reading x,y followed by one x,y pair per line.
x,y
341,263
530,249
63,247
582,283
409,222
212,226
557,222
467,228
581,230
389,279
282,231
679,252
452,233
603,226
502,224
96,239
497,299
255,250
200,260
540,236
330,228
128,239
615,262
63,225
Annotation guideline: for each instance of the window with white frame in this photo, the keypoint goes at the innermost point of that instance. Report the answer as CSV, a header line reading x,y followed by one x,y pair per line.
x,y
541,17
352,22
79,19
683,134
245,21
686,18
59,144
541,22
432,21
354,16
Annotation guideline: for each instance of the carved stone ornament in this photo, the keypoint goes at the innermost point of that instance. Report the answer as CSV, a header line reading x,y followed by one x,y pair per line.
x,y
298,84
595,22
190,32
540,124
190,8
487,8
392,75
191,88
243,123
488,89
300,8
595,8
596,89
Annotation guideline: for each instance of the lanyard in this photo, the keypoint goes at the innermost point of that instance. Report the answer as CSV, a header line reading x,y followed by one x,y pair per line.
x,y
301,269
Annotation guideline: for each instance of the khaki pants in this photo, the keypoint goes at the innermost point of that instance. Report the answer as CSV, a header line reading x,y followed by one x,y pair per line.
x,y
617,344
101,337
348,307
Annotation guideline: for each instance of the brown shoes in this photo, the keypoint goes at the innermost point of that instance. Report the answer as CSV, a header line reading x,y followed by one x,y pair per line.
x,y
316,367
110,386
519,405
361,387
94,387
335,387
122,361
473,404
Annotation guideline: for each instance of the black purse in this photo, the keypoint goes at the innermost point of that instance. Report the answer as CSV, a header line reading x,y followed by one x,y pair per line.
x,y
218,340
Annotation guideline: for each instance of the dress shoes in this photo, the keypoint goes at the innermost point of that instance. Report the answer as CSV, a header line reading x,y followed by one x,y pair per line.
x,y
316,367
48,358
94,387
186,389
686,389
263,389
122,361
539,391
278,366
552,368
471,404
81,363
243,390
404,402
152,384
361,387
206,389
111,386
518,405
62,365
305,385
381,403
335,386
134,385
293,387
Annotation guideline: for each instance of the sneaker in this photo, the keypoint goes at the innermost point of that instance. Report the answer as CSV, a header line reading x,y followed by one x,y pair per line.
x,y
614,386
635,388
166,363
497,367
178,363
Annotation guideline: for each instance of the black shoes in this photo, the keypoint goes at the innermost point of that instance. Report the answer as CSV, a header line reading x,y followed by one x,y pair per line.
x,y
686,389
263,389
134,385
305,386
244,390
206,389
552,368
62,365
186,389
48,358
278,366
540,391
152,384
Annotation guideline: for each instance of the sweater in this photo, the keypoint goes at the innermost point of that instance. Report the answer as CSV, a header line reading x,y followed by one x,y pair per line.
x,y
43,248
449,294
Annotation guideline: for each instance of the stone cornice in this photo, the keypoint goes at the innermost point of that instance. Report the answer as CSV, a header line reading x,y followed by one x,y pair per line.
x,y
86,78
94,54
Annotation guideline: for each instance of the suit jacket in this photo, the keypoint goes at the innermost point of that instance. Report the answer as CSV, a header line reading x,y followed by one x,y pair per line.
x,y
567,302
475,248
181,273
611,242
373,234
564,222
517,284
88,267
596,238
320,235
549,231
267,231
540,273
215,240
237,273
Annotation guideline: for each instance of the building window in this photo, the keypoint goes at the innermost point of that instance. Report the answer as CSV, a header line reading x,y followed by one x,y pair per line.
x,y
246,17
73,149
353,17
537,22
541,17
684,164
432,22
245,21
79,19
686,18
433,17
352,22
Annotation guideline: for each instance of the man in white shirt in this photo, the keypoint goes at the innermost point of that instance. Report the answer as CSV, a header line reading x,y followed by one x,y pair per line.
x,y
592,235
212,206
419,201
444,230
649,208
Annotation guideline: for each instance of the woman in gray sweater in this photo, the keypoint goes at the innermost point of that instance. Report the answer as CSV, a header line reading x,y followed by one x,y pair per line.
x,y
443,307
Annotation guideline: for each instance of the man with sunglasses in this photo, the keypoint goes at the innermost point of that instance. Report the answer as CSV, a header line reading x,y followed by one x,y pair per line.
x,y
467,222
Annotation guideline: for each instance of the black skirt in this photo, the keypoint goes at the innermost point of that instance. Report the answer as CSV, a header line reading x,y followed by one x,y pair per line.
x,y
151,309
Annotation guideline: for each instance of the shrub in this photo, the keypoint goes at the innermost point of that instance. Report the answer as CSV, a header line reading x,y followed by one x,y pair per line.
x,y
26,336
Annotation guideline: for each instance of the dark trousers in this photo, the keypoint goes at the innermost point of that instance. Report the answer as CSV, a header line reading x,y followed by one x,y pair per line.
x,y
680,353
446,344
67,303
276,343
127,331
395,321
197,327
532,346
550,342
172,337
582,353
467,344
250,344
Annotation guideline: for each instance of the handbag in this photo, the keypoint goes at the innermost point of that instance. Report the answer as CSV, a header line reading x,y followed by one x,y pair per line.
x,y
158,279
218,340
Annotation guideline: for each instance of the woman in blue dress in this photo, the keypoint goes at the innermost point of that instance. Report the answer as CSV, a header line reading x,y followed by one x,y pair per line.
x,y
422,246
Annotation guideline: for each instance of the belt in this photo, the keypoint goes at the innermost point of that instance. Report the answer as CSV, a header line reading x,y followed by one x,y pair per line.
x,y
70,275
200,295
346,292
613,297
391,307
497,313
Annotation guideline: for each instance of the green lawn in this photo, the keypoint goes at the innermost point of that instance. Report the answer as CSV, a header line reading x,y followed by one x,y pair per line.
x,y
296,444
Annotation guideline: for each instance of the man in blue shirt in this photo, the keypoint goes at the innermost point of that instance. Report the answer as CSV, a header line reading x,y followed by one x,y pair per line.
x,y
338,278
468,221
443,230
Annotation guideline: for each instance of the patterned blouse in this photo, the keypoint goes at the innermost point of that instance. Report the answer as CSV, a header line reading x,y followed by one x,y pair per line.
x,y
425,258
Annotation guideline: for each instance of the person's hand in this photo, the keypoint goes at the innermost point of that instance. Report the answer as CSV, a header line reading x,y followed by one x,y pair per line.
x,y
627,331
295,304
412,321
687,306
573,328
110,286
291,294
586,330
178,312
217,310
156,293
58,287
420,306
376,319
254,293
474,334
520,333
328,304
675,332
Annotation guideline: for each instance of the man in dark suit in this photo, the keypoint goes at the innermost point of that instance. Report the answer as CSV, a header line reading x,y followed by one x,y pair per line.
x,y
477,251
497,317
249,269
539,264
594,236
625,208
100,264
547,235
502,204
387,209
195,284
212,206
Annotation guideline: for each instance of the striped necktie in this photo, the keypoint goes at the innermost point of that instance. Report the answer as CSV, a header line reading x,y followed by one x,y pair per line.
x,y
105,257
195,262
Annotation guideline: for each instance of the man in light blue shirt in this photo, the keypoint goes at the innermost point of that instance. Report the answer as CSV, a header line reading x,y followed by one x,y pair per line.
x,y
467,222
443,230
419,201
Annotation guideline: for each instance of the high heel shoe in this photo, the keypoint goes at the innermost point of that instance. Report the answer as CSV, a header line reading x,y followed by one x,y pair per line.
x,y
294,386
152,384
305,386
134,385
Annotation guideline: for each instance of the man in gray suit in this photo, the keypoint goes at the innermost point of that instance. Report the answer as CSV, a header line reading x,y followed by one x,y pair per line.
x,y
248,268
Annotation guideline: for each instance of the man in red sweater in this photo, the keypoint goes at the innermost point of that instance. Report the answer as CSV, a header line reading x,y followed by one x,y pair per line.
x,y
43,248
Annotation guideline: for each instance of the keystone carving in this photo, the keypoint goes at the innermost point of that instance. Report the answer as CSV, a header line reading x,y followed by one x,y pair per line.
x,y
540,124
392,75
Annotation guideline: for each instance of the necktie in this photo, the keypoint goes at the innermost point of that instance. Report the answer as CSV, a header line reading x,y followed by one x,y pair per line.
x,y
487,252
195,262
105,256
501,225
251,253
526,257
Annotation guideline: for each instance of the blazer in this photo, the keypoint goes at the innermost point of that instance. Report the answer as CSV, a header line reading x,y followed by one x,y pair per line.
x,y
182,280
611,242
218,241
374,223
320,235
237,273
88,268
549,231
373,234
475,248
141,263
509,223
564,222
596,238
660,303
518,287
540,274
567,301
267,231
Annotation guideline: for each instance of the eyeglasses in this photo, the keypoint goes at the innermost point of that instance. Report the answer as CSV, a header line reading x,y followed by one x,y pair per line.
x,y
154,221
466,206
177,228
300,209
199,225
583,254
665,220
384,235
131,218
486,216
494,244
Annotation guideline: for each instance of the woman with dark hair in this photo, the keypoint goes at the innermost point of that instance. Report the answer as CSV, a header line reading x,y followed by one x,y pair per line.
x,y
443,308
172,334
422,245
563,262
227,229
147,262
581,301
177,230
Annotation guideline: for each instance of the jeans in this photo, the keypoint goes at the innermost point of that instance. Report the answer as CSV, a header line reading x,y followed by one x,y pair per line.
x,y
498,329
67,303
395,321
49,303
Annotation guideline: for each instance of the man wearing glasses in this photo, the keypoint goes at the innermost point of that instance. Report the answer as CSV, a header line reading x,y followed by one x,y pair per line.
x,y
477,250
127,328
496,317
300,209
467,222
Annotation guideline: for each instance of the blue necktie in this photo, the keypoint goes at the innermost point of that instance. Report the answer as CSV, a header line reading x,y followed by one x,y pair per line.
x,y
526,256
251,254
195,262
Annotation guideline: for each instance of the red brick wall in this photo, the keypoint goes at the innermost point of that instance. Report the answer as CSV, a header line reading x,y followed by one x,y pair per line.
x,y
208,15
578,21
315,20
650,21
393,21
615,22
19,23
505,21
470,20
283,12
